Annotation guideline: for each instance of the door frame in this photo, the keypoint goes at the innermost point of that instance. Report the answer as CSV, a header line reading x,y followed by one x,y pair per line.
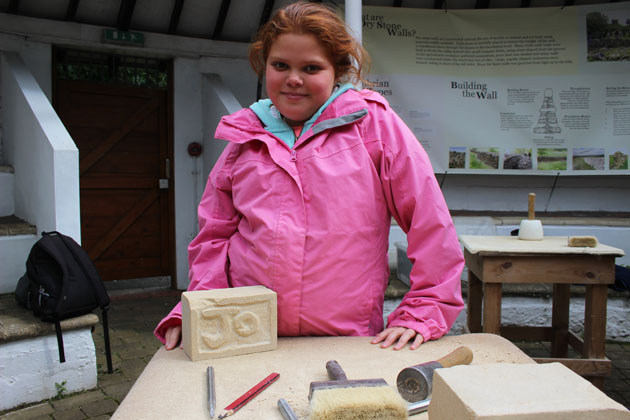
x,y
171,252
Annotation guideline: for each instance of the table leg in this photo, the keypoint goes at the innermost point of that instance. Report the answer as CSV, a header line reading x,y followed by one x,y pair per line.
x,y
560,320
595,321
595,326
492,308
475,293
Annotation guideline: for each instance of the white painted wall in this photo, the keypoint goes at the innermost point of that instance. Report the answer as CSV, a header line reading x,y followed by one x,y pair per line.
x,y
205,90
7,187
509,192
30,368
44,157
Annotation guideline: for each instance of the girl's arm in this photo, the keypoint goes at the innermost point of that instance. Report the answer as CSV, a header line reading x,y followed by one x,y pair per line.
x,y
416,202
207,252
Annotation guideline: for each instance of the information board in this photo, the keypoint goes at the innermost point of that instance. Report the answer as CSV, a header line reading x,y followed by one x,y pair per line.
x,y
508,91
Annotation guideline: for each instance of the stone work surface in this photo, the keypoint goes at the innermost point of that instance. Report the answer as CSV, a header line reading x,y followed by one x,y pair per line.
x,y
132,320
228,322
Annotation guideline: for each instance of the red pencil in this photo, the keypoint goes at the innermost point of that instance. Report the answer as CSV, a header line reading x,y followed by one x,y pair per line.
x,y
249,395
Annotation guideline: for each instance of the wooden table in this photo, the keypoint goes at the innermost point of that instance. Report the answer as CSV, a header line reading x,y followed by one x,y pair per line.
x,y
173,387
494,260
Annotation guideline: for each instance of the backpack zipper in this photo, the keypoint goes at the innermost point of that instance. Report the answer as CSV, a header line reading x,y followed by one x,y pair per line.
x,y
42,292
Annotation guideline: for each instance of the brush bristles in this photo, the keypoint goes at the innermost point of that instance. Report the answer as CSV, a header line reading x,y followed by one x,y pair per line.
x,y
359,403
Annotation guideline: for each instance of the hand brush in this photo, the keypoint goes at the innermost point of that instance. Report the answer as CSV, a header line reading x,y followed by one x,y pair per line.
x,y
343,399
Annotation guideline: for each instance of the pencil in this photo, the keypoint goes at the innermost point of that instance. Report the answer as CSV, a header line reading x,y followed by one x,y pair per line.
x,y
249,395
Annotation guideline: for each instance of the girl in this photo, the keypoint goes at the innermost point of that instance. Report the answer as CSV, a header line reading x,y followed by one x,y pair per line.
x,y
301,199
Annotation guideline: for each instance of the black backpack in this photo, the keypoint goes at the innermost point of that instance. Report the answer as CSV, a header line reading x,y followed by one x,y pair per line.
x,y
61,282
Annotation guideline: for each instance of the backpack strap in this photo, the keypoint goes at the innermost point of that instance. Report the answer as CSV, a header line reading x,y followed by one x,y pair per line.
x,y
90,272
62,354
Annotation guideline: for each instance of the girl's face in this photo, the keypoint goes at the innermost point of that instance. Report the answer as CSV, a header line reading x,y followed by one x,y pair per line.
x,y
299,76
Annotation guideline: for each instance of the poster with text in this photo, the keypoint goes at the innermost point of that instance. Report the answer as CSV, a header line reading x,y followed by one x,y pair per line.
x,y
509,91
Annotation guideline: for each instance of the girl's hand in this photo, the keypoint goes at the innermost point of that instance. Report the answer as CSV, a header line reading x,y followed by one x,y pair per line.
x,y
172,337
403,335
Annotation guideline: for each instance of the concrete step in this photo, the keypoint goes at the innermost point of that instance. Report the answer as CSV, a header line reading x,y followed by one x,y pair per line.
x,y
29,355
7,204
17,237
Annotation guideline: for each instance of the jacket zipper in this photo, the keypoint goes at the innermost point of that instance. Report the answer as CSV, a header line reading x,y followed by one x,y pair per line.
x,y
293,155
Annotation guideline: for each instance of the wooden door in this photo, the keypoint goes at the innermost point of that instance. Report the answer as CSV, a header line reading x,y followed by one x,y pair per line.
x,y
122,133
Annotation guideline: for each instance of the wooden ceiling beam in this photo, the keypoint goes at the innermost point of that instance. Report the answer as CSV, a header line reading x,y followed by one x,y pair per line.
x,y
124,14
437,4
175,16
71,13
14,5
223,11
482,4
266,13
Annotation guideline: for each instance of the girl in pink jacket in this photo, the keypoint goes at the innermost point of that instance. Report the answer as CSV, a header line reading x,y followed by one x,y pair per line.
x,y
301,200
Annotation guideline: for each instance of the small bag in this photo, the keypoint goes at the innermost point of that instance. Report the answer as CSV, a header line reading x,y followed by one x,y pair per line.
x,y
61,282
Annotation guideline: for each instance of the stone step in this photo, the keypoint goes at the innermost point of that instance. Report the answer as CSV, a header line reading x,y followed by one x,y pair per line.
x,y
29,355
13,225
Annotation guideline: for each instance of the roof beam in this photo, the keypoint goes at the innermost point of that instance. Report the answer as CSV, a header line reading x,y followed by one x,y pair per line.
x,y
569,3
482,4
437,4
266,13
397,3
14,6
525,3
71,13
175,15
124,14
223,11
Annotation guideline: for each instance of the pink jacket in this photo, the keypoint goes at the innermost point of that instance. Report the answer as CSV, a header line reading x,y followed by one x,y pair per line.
x,y
312,223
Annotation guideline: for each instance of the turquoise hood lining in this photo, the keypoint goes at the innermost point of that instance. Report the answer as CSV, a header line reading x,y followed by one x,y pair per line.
x,y
275,124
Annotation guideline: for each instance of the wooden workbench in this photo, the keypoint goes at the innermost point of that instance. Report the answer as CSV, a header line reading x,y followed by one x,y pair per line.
x,y
173,387
495,260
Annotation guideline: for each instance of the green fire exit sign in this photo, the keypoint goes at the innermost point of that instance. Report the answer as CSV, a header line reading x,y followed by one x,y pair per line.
x,y
123,37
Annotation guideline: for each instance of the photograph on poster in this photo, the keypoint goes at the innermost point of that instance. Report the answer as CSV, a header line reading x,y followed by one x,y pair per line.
x,y
618,159
457,158
552,159
484,158
518,158
608,36
588,159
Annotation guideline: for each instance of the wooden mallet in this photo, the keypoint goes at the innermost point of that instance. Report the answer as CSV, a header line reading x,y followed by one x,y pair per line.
x,y
415,383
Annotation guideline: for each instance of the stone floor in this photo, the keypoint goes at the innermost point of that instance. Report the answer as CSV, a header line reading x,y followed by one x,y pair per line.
x,y
132,319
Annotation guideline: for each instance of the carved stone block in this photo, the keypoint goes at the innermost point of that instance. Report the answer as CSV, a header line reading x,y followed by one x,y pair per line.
x,y
228,322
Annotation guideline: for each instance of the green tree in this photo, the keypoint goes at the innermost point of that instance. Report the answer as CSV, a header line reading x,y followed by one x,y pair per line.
x,y
596,25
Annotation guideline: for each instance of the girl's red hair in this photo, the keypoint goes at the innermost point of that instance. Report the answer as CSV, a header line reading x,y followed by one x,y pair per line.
x,y
350,60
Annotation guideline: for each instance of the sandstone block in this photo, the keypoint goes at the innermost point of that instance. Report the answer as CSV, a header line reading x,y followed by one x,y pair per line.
x,y
228,322
517,392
